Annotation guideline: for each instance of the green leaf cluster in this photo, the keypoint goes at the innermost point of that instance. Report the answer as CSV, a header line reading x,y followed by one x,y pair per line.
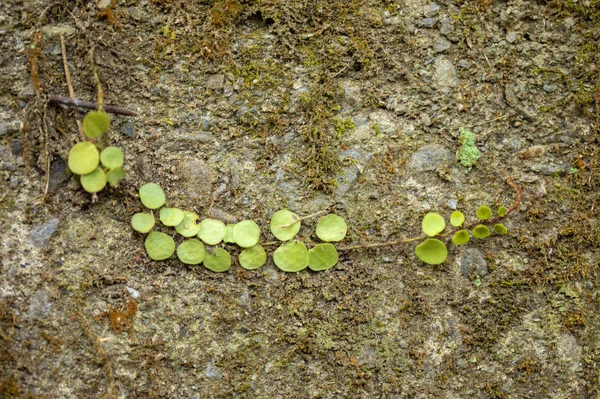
x,y
433,251
293,256
96,169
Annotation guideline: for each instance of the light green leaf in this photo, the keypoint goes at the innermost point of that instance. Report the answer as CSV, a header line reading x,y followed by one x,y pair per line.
x,y
111,157
432,251
484,212
142,222
83,158
95,124
246,233
457,219
291,257
481,231
433,224
218,261
212,231
191,252
285,225
500,228
188,226
253,258
172,217
332,228
461,237
114,176
228,239
502,211
152,196
94,182
322,257
159,245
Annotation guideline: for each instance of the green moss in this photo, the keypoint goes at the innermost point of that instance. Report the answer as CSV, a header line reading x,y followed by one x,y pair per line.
x,y
343,125
468,154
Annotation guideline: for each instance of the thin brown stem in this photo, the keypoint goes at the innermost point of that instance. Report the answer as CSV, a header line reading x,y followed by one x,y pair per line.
x,y
99,91
69,85
88,105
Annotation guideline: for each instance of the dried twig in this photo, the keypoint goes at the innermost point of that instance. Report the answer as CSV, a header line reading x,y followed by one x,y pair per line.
x,y
69,85
88,105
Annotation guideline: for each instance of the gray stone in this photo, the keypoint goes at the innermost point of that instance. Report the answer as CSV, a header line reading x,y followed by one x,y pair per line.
x,y
550,88
429,22
215,82
198,178
136,13
473,263
40,234
212,371
102,4
511,37
350,174
569,351
40,306
430,157
447,26
441,44
431,10
464,64
511,97
445,75
127,129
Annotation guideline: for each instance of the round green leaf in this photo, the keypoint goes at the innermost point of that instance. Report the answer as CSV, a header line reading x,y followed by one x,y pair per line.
x,y
142,222
246,233
159,245
95,124
114,176
253,258
291,257
481,231
332,228
500,228
502,211
212,231
433,224
111,157
228,239
285,225
94,182
83,158
461,237
484,212
218,261
191,252
432,251
188,226
172,217
457,219
152,196
322,257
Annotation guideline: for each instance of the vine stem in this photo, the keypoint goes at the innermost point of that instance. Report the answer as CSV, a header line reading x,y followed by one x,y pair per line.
x,y
305,217
515,205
